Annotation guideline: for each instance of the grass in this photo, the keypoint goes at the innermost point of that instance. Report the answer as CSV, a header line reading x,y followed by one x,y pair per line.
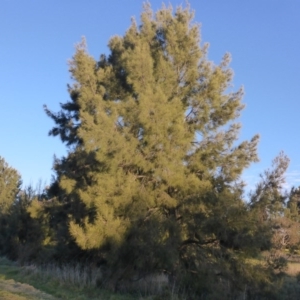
x,y
50,282
68,275
290,287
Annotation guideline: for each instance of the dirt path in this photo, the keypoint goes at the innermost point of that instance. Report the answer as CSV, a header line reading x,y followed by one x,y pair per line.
x,y
12,290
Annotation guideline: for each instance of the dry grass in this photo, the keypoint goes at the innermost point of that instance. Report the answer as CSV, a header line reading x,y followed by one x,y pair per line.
x,y
153,284
83,277
72,275
91,277
77,282
293,268
10,289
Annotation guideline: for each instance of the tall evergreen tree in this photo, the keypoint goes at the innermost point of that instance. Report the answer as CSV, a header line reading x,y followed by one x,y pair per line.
x,y
150,178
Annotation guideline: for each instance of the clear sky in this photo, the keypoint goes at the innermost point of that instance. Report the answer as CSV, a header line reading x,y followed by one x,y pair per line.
x,y
37,38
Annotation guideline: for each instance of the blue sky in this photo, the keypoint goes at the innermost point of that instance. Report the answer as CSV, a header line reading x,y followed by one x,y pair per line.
x,y
37,38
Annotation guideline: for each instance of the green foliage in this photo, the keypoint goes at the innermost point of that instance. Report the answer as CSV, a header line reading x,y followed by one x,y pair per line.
x,y
10,182
22,236
293,205
267,199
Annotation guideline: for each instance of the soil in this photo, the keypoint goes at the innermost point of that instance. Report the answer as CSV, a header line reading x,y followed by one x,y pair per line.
x,y
12,290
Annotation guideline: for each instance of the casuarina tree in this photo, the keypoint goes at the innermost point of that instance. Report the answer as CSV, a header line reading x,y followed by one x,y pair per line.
x,y
151,175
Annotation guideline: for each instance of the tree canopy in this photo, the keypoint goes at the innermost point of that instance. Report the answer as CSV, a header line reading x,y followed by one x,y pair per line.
x,y
151,183
153,161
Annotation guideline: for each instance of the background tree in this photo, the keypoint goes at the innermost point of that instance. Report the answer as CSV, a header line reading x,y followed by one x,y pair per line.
x,y
21,236
293,204
268,204
10,182
292,218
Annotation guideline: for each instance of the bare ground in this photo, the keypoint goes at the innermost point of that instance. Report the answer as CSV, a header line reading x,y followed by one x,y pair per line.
x,y
12,290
